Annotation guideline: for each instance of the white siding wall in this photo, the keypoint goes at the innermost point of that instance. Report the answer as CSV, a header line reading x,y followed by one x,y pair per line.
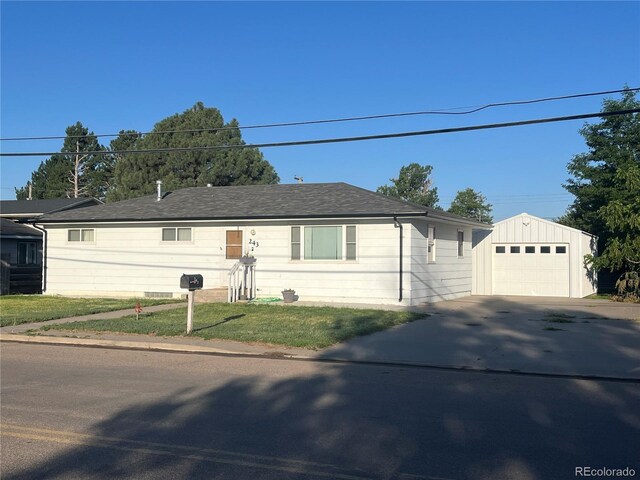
x,y
481,259
129,260
449,276
522,229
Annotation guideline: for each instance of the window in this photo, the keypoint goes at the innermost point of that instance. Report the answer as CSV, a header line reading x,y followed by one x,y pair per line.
x,y
323,243
501,249
27,253
234,244
295,243
561,249
431,244
545,249
176,234
80,235
351,242
529,249
460,244
514,249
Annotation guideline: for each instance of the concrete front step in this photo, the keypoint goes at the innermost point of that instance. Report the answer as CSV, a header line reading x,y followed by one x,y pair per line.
x,y
212,295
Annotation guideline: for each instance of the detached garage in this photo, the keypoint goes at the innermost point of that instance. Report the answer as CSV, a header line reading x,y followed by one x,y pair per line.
x,y
527,255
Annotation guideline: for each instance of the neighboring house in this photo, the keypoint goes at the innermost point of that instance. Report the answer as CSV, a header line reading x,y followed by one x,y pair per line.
x,y
20,257
21,245
29,209
329,242
526,255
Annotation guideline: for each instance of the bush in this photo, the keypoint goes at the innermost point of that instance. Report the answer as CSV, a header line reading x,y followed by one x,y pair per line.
x,y
628,288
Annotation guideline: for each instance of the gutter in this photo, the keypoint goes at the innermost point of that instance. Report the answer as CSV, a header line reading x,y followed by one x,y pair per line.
x,y
397,224
44,256
73,221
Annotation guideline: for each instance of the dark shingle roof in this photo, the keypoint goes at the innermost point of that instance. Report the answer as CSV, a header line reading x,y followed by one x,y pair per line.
x,y
39,207
9,228
309,200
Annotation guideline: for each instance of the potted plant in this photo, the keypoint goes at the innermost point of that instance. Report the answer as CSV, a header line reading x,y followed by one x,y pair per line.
x,y
288,294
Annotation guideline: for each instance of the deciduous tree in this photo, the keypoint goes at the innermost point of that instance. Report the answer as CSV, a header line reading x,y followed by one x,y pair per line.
x,y
606,184
471,204
413,185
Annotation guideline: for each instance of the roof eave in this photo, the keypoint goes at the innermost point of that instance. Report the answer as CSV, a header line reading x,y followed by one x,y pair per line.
x,y
45,221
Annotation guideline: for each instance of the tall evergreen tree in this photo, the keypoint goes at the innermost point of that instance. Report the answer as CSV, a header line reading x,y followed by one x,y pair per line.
x,y
135,174
126,140
413,185
471,204
70,173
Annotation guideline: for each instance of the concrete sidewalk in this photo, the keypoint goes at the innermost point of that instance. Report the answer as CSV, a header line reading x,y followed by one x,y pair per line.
x,y
574,337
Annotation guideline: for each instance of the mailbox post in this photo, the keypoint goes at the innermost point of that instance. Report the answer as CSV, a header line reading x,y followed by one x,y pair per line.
x,y
192,282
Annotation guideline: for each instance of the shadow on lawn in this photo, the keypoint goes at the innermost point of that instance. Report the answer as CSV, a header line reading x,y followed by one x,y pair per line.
x,y
227,319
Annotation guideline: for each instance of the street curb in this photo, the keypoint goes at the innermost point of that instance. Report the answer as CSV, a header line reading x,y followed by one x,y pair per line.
x,y
91,342
199,350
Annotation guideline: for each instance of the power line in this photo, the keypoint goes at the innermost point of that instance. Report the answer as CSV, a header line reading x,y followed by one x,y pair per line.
x,y
338,140
446,111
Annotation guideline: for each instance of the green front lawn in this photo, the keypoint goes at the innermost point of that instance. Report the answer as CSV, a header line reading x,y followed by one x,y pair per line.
x,y
17,309
307,327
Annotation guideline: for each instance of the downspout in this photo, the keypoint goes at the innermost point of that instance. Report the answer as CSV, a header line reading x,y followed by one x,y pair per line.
x,y
397,224
44,256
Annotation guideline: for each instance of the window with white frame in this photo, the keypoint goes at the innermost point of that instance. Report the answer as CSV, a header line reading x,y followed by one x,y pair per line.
x,y
460,243
351,242
334,242
176,234
27,253
295,243
431,244
80,235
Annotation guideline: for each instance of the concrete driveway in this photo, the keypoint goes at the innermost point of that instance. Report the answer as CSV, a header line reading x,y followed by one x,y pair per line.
x,y
528,334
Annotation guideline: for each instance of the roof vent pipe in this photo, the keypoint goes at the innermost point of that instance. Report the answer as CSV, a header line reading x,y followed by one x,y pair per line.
x,y
159,184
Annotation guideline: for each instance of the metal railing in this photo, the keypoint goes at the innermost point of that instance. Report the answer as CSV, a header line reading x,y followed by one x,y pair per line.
x,y
242,282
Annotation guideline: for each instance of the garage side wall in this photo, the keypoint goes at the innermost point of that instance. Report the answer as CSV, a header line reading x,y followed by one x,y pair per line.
x,y
481,260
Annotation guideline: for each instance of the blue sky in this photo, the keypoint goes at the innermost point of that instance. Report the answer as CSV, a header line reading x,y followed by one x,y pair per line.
x,y
127,65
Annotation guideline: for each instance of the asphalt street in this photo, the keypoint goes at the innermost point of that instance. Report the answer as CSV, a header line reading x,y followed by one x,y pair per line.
x,y
72,412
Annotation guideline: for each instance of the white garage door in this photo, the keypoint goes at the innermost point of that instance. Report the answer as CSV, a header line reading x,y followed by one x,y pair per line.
x,y
538,270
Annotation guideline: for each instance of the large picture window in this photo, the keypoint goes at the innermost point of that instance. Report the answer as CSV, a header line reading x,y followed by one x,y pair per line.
x,y
324,243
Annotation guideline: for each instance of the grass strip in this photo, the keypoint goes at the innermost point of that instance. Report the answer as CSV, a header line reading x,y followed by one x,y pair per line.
x,y
19,309
306,327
